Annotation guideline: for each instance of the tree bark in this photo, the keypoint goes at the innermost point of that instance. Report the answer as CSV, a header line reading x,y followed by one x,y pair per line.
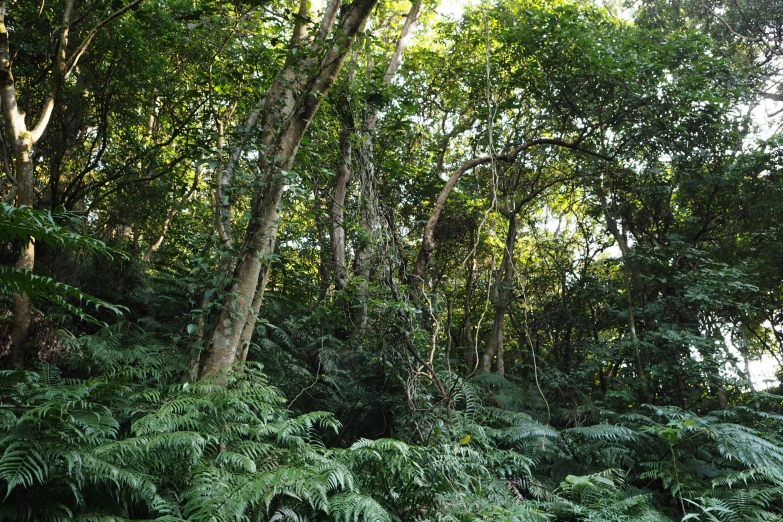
x,y
290,105
324,257
368,210
364,155
338,201
250,325
466,323
224,179
22,141
363,160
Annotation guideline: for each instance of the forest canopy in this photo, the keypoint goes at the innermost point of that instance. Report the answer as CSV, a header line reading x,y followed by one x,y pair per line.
x,y
362,260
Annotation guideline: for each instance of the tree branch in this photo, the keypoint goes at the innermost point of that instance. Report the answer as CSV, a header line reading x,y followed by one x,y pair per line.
x,y
79,51
428,239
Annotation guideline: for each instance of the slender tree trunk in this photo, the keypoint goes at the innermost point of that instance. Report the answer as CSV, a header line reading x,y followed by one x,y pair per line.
x,y
466,323
428,239
338,202
742,347
628,278
166,222
250,325
324,258
368,210
286,114
500,295
224,178
22,141
26,261
21,147
365,167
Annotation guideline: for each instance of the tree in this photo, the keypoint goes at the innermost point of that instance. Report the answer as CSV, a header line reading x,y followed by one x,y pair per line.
x,y
282,117
22,138
358,126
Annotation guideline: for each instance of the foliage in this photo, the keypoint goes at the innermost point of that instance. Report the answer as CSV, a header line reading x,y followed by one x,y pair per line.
x,y
112,445
24,223
129,441
634,301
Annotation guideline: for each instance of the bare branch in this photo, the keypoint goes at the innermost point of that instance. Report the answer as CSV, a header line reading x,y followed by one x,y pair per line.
x,y
770,95
58,75
154,247
402,41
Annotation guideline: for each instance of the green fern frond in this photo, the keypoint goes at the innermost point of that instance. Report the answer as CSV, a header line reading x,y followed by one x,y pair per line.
x,y
21,464
604,432
287,514
528,432
15,281
352,507
770,474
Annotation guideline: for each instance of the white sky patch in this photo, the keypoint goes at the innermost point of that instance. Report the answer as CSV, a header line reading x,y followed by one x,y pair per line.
x,y
616,9
760,369
762,372
762,115
453,8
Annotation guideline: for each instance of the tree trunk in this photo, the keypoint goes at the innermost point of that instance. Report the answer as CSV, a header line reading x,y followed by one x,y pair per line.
x,y
250,325
630,275
428,239
169,218
338,202
369,237
22,141
26,260
290,105
500,296
365,167
466,324
224,178
324,257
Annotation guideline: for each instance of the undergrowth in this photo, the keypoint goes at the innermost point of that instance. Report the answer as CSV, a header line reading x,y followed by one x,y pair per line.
x,y
116,435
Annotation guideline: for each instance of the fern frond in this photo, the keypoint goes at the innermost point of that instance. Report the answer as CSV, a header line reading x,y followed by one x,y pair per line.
x,y
604,432
21,464
352,507
15,281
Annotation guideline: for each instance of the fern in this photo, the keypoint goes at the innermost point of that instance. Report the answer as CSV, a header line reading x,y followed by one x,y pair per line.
x,y
116,436
21,464
17,282
23,223
200,451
